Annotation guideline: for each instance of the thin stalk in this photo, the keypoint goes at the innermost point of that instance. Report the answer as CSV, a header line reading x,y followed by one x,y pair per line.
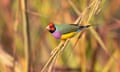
x,y
52,56
59,51
26,33
74,7
94,5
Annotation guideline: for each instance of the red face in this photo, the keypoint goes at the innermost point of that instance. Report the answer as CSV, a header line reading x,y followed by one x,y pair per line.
x,y
51,28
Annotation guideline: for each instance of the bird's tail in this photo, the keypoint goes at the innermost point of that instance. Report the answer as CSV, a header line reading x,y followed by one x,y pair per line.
x,y
84,27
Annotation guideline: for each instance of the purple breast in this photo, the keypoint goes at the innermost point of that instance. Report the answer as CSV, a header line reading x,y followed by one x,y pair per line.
x,y
57,35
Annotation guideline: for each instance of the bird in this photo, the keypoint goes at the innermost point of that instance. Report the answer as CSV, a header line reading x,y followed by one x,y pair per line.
x,y
64,31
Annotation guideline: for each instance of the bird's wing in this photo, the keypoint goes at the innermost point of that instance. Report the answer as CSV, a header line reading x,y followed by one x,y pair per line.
x,y
66,28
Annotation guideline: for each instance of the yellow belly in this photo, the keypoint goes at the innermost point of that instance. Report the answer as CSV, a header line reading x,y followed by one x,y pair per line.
x,y
68,35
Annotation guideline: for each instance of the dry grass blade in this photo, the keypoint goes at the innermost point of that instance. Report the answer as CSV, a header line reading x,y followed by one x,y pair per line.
x,y
78,20
25,33
93,11
52,63
52,57
74,7
59,51
55,54
94,7
99,40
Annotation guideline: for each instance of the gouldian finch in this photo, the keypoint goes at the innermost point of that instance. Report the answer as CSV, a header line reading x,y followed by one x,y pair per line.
x,y
64,31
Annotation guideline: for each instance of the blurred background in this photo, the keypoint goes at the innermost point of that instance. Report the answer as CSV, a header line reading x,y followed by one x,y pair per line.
x,y
87,56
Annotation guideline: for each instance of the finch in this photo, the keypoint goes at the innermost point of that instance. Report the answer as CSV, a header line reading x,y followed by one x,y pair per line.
x,y
64,31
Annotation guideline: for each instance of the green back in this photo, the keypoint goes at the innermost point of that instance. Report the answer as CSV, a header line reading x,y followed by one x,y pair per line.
x,y
66,28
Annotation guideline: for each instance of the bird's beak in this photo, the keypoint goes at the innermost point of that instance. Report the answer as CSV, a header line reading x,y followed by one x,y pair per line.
x,y
47,28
